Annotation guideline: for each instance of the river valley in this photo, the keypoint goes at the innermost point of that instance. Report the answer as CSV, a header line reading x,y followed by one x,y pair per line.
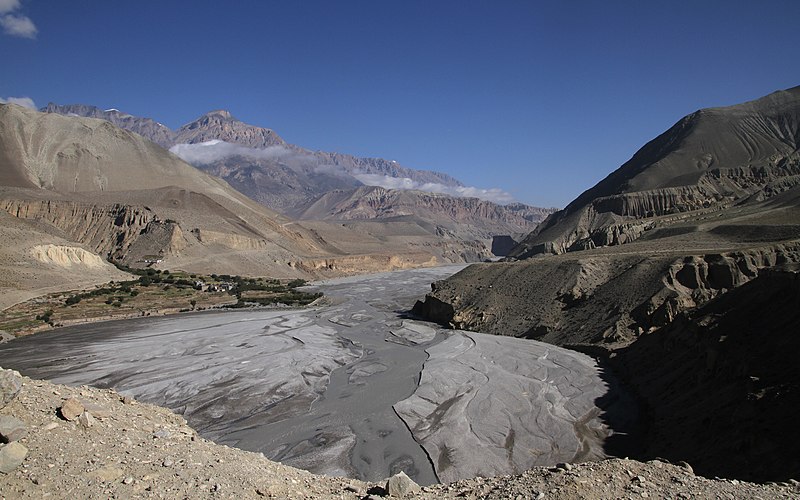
x,y
352,387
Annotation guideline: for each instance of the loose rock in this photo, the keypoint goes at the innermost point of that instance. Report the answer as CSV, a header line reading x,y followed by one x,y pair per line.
x,y
11,429
10,385
71,409
401,485
11,456
86,419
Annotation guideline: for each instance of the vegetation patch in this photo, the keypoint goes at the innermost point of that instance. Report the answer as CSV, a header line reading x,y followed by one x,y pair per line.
x,y
153,292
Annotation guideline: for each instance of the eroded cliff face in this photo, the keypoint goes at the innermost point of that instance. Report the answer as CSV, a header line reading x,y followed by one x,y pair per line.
x,y
373,202
623,218
593,300
109,230
129,234
720,381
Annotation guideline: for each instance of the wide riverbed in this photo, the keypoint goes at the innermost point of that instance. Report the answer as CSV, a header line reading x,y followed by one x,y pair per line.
x,y
340,389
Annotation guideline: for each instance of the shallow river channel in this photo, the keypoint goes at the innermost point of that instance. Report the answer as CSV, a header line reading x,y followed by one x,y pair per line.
x,y
350,388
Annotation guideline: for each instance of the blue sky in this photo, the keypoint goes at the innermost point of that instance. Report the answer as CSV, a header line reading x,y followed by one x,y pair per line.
x,y
539,98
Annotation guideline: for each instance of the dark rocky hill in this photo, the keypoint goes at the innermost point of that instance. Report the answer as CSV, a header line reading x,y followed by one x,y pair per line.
x,y
708,161
681,269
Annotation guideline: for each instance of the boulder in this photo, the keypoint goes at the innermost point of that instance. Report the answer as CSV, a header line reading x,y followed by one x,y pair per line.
x,y
86,419
401,485
11,429
71,409
10,385
11,457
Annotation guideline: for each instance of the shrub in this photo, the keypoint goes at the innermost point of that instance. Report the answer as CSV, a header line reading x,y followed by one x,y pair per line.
x,y
45,316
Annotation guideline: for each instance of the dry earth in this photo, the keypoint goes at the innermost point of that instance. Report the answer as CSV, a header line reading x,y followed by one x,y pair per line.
x,y
129,449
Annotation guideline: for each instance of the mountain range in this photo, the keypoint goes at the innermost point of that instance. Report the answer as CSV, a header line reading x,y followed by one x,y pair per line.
x,y
76,192
265,167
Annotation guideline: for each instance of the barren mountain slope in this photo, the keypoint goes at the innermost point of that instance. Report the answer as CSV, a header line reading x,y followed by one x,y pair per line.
x,y
146,127
68,154
221,125
468,219
698,313
707,161
694,318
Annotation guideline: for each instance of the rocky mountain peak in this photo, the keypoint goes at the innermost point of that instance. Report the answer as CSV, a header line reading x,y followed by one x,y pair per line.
x,y
218,115
221,125
224,113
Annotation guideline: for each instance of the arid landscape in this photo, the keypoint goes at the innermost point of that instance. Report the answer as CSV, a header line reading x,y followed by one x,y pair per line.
x,y
416,250
680,292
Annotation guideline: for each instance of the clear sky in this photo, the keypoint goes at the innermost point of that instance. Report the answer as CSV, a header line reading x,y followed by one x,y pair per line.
x,y
539,98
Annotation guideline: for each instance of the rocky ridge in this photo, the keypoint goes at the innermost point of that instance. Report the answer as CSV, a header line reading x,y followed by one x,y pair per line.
x,y
710,160
371,202
220,125
91,442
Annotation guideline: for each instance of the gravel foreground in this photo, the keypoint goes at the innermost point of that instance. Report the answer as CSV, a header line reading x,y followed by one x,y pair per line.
x,y
116,447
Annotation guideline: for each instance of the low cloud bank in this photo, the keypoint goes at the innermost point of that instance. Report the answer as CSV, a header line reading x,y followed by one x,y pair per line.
x,y
208,152
494,195
25,102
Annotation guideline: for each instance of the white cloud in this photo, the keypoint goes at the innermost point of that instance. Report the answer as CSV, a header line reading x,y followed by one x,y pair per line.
x,y
495,195
14,23
7,6
334,170
25,102
18,26
211,151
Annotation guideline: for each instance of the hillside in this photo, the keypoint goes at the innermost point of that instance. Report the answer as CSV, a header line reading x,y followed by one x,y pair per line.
x,y
696,310
464,218
708,161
